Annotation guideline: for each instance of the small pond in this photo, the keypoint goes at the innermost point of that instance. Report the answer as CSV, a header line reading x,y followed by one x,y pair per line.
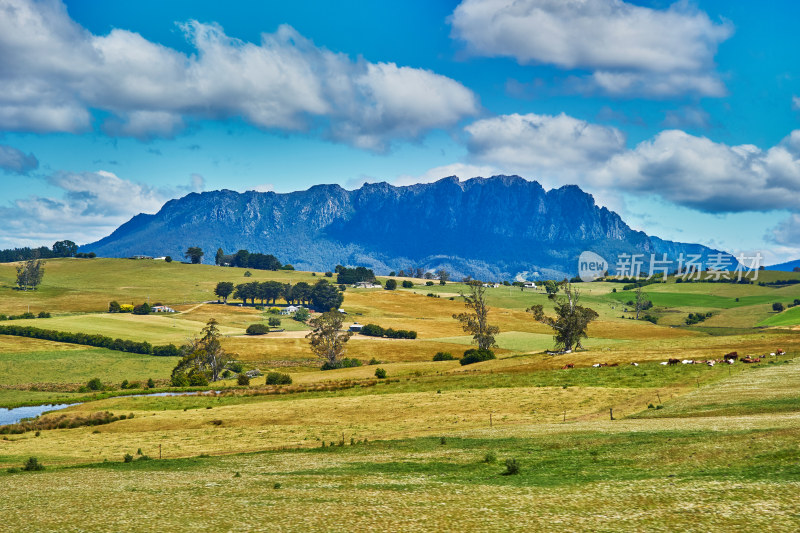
x,y
15,414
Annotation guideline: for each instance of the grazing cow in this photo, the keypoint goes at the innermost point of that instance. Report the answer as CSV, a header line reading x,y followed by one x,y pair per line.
x,y
779,351
568,365
751,360
710,363
673,361
663,363
614,364
634,364
732,355
687,362
730,361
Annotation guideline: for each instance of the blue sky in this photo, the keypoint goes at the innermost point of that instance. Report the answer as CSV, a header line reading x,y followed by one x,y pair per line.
x,y
683,117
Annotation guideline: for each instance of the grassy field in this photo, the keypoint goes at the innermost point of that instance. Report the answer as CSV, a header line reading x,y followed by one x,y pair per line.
x,y
690,447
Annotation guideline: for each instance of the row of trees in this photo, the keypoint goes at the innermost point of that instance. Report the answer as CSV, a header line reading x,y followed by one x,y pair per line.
x,y
87,339
419,272
349,276
322,295
59,249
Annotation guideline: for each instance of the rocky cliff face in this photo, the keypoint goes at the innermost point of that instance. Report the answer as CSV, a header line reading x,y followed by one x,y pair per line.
x,y
490,228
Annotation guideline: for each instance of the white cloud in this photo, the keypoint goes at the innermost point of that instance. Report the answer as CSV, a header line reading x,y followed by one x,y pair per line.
x,y
684,169
55,71
795,102
264,187
463,171
687,117
13,160
712,177
786,232
91,206
630,49
543,143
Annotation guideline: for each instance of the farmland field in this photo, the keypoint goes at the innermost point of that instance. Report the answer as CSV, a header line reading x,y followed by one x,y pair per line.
x,y
614,447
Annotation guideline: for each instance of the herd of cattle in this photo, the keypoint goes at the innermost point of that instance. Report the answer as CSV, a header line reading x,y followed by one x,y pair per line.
x,y
728,358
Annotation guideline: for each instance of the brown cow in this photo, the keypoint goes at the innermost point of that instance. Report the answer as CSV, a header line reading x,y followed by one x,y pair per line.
x,y
750,360
673,361
568,365
732,355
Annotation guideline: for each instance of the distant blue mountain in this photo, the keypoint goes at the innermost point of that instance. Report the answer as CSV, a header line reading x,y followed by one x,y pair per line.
x,y
789,266
490,228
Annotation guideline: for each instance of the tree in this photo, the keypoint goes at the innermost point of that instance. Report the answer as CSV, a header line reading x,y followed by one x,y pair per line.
x,y
475,321
30,274
219,257
572,319
204,356
64,249
301,292
223,290
326,338
391,284
551,287
640,300
325,296
777,306
195,254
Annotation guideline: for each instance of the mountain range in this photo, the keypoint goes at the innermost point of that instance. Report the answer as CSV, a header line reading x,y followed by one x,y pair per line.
x,y
503,227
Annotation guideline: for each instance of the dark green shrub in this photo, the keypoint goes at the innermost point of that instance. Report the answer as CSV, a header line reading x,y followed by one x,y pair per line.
x,y
198,380
243,379
443,356
490,458
33,465
124,384
236,366
374,361
168,259
127,458
345,362
777,306
302,314
391,284
372,330
257,329
476,355
407,284
429,283
43,314
151,384
141,309
248,274
329,274
442,440
278,378
94,384
274,321
380,373
512,467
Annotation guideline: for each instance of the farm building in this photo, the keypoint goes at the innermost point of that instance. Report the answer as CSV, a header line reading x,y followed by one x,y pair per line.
x,y
162,309
356,328
288,310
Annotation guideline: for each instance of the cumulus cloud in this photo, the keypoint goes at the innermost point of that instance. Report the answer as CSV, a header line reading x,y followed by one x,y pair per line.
x,y
712,177
629,49
787,232
795,102
684,169
90,206
15,161
54,71
543,143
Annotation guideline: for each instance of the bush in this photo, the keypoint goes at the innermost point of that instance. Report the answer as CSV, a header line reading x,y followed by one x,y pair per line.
x,y
257,329
391,284
777,306
443,356
373,361
168,259
142,309
274,321
114,307
302,314
512,467
33,465
476,355
248,274
179,380
236,366
128,458
198,380
277,378
95,384
345,362
124,384
372,330
489,458
429,283
329,274
43,314
407,284
243,379
151,384
380,373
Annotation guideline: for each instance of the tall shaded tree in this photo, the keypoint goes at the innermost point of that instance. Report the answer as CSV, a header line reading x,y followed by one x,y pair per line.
x,y
204,355
327,340
572,320
64,248
224,289
325,296
30,274
194,254
475,320
219,258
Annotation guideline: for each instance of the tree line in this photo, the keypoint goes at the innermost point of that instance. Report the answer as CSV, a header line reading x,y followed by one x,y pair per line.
x,y
59,249
86,339
322,295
